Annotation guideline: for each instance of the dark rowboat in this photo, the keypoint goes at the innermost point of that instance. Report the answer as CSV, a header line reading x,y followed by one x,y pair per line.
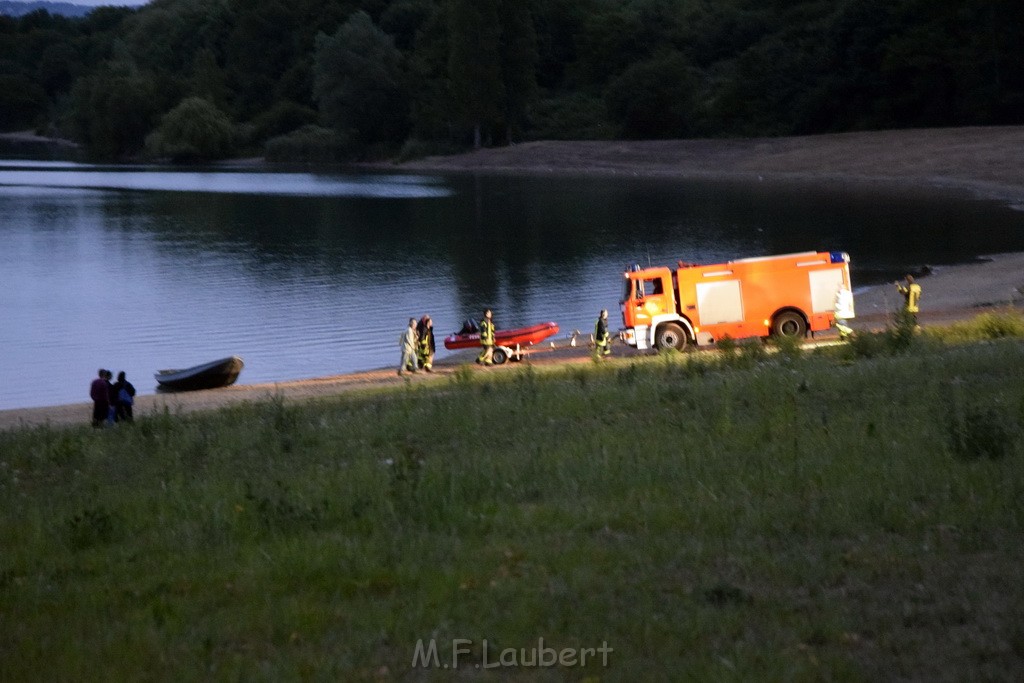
x,y
521,336
218,373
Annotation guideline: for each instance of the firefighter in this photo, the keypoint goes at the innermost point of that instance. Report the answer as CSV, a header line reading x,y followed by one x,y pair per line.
x,y
425,349
486,339
602,340
911,299
408,343
843,311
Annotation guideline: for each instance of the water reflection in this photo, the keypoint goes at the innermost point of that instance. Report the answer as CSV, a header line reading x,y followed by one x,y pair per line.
x,y
49,175
314,274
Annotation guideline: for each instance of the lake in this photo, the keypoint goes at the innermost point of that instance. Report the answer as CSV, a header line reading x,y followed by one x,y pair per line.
x,y
314,274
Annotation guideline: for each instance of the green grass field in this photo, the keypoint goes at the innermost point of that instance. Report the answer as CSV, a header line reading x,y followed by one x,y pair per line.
x,y
855,513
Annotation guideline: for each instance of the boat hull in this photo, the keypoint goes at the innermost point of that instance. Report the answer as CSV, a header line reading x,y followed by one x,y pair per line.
x,y
521,336
218,373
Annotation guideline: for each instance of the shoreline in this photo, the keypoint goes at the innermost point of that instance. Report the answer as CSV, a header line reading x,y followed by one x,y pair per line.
x,y
982,161
950,293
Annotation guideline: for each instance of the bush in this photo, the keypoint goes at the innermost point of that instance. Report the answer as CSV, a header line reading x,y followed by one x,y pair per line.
x,y
91,527
790,348
281,119
309,144
899,335
992,325
727,345
751,352
195,130
867,345
572,117
977,432
415,148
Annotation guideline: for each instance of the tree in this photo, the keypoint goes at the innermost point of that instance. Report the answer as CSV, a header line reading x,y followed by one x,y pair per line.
x,y
474,64
258,51
114,109
431,110
518,50
208,79
653,98
359,83
195,130
21,102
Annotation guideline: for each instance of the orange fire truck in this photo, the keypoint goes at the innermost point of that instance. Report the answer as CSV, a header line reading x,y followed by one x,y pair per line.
x,y
783,296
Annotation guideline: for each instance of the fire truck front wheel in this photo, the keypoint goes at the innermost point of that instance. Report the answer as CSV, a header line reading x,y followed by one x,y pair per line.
x,y
670,336
789,324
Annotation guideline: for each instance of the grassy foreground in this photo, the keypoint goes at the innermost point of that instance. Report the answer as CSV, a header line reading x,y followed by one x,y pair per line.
x,y
850,514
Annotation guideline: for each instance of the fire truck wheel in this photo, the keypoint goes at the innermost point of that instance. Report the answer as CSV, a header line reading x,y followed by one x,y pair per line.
x,y
670,336
789,324
499,356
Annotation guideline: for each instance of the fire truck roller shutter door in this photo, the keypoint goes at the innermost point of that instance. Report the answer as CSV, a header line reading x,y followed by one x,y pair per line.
x,y
720,302
823,284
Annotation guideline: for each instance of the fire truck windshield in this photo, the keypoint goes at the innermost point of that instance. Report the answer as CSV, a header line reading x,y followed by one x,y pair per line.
x,y
639,289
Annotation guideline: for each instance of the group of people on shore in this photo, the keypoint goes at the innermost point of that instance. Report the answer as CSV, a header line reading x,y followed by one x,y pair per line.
x,y
417,346
417,341
111,401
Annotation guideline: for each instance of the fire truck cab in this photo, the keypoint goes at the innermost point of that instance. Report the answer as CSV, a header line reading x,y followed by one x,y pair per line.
x,y
784,296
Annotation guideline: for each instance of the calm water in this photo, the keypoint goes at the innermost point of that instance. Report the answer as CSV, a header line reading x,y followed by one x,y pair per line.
x,y
308,275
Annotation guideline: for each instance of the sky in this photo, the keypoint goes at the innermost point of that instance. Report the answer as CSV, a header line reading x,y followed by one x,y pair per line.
x,y
96,3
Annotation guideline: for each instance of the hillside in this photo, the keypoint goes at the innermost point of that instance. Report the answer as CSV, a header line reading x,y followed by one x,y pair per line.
x,y
65,9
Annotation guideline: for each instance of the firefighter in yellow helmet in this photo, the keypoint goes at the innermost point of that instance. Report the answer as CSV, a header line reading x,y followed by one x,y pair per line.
x,y
486,339
911,298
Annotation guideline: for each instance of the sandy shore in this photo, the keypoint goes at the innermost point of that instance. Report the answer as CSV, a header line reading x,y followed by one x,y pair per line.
x,y
950,293
986,161
953,292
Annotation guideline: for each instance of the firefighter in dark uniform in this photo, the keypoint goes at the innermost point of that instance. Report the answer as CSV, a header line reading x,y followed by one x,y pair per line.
x,y
486,340
602,340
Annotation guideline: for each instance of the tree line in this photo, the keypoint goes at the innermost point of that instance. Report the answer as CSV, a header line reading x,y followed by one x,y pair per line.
x,y
334,80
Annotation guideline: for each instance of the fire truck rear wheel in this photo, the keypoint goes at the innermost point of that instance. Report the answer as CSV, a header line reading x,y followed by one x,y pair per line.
x,y
670,336
789,324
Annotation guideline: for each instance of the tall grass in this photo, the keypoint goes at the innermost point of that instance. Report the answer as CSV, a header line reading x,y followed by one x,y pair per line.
x,y
709,516
984,327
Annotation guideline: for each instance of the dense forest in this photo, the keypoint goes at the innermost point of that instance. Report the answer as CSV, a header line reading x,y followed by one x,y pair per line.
x,y
330,80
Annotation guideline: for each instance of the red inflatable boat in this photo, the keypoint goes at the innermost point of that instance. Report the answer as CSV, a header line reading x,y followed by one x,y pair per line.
x,y
507,343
